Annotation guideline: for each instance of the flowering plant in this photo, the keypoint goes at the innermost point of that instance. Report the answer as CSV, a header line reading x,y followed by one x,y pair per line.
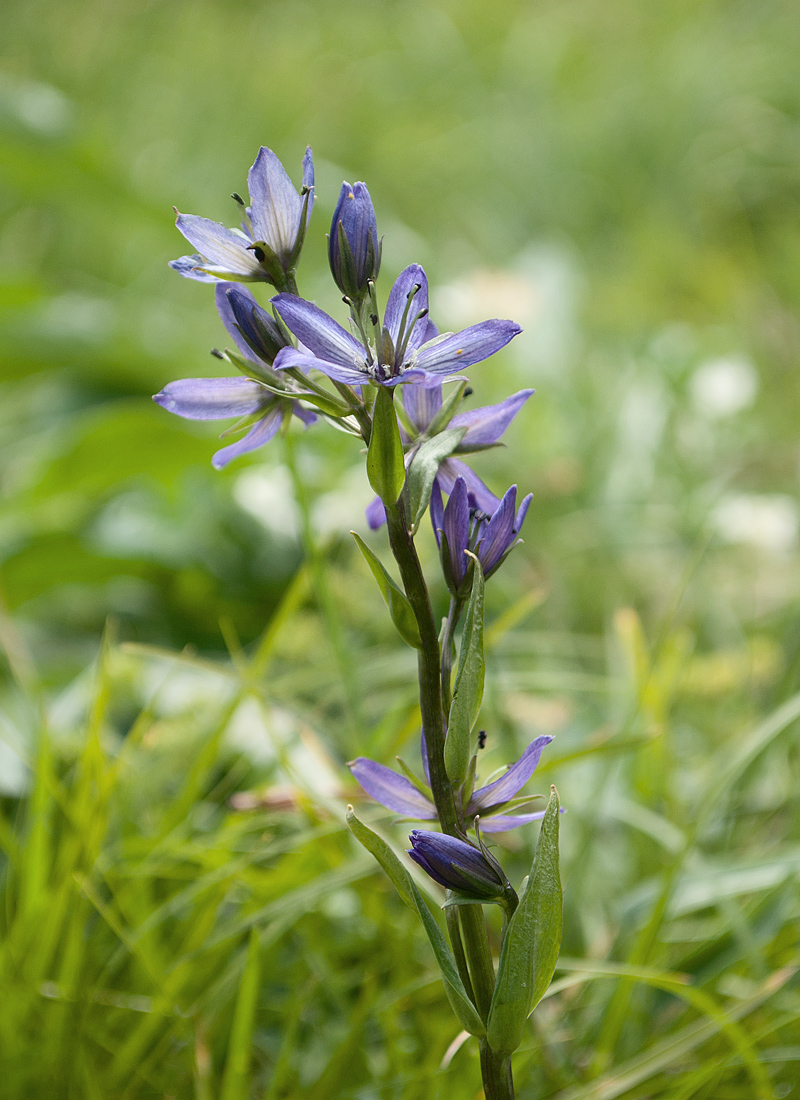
x,y
382,381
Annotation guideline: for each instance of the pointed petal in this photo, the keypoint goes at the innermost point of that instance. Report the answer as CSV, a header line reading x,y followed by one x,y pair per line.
x,y
224,248
212,398
463,349
306,415
422,403
308,177
485,426
189,267
456,529
275,205
227,316
481,495
437,511
393,791
405,282
375,513
522,513
499,532
501,823
304,360
319,332
509,784
259,434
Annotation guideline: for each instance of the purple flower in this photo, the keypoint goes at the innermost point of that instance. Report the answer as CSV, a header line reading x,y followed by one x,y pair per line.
x,y
457,865
399,794
484,427
267,246
463,526
354,251
406,349
255,333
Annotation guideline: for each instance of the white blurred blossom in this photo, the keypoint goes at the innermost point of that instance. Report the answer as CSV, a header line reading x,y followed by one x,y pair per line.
x,y
769,522
722,387
266,493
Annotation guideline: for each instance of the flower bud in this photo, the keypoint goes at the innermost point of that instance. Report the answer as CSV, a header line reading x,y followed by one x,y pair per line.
x,y
354,251
457,865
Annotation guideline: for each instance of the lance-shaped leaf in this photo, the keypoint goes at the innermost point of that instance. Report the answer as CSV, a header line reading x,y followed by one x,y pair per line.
x,y
468,692
385,464
396,600
456,993
447,409
424,467
530,948
378,847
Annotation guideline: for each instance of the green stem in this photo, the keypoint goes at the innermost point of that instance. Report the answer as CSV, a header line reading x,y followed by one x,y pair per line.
x,y
453,927
496,1073
471,945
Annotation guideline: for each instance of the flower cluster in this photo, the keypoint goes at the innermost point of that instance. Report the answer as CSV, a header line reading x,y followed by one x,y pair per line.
x,y
294,360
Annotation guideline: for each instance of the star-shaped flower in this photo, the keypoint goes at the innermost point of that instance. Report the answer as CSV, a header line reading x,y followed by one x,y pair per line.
x,y
397,793
406,349
260,409
267,246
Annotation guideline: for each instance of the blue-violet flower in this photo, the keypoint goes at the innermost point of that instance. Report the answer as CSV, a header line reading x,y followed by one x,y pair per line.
x,y
257,338
399,794
456,865
267,246
463,526
408,349
354,251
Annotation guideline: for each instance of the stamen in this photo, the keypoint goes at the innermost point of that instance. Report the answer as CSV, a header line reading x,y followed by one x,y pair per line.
x,y
217,353
401,337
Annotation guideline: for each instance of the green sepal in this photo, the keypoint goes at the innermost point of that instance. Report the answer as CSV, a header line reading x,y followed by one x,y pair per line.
x,y
260,372
399,608
531,944
447,410
454,988
385,464
468,690
423,788
270,263
378,847
246,421
424,467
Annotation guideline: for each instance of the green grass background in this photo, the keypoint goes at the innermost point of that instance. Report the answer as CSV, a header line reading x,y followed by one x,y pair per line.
x,y
190,657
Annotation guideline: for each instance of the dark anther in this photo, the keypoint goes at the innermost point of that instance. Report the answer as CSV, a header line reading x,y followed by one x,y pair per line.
x,y
258,253
373,318
468,392
237,198
482,739
422,313
346,300
217,353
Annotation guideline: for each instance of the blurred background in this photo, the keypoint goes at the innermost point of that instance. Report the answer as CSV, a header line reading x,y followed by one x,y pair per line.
x,y
191,656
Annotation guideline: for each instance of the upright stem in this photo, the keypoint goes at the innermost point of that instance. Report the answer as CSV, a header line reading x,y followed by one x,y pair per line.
x,y
471,945
496,1073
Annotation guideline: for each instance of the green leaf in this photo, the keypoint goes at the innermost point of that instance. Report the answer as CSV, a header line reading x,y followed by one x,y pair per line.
x,y
454,988
424,467
378,847
447,410
468,692
236,1078
385,466
396,600
530,948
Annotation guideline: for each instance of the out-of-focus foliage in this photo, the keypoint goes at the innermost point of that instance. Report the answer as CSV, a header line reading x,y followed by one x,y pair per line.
x,y
622,179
